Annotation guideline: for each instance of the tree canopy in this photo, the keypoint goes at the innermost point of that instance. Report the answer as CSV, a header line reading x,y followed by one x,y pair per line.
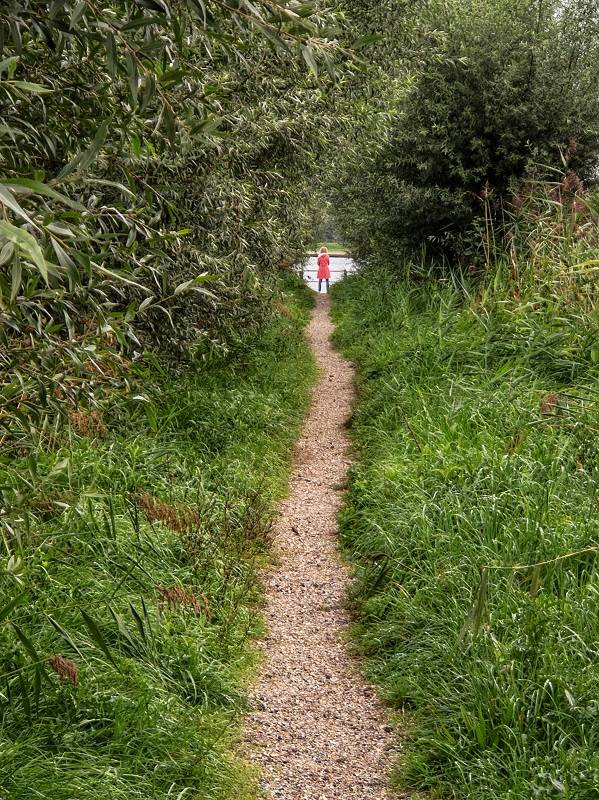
x,y
481,95
156,156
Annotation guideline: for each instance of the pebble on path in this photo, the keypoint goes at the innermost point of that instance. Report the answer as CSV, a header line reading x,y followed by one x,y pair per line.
x,y
317,731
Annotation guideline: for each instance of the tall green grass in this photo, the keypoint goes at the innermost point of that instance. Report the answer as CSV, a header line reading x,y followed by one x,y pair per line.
x,y
128,576
476,430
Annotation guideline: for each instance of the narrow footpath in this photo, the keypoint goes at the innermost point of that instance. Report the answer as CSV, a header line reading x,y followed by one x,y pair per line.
x,y
317,730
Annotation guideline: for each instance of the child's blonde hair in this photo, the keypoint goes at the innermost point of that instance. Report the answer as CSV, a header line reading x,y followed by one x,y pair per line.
x,y
324,249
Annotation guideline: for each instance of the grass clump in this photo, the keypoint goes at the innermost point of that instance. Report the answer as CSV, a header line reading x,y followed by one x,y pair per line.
x,y
130,551
472,520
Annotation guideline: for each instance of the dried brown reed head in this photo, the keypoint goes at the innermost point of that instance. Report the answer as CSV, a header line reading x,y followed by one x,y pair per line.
x,y
89,325
283,310
88,424
64,668
549,404
183,597
178,518
93,367
516,441
486,190
570,149
571,183
569,189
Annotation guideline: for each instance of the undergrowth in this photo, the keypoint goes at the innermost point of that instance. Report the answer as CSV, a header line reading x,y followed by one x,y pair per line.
x,y
128,575
472,520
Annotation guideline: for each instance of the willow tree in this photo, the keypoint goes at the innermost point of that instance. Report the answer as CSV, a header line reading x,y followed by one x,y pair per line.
x,y
480,95
155,156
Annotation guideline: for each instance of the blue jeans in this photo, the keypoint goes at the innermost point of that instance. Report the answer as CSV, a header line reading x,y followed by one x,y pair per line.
x,y
320,280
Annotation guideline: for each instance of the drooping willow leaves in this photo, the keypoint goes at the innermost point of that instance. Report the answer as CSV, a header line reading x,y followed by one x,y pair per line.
x,y
154,157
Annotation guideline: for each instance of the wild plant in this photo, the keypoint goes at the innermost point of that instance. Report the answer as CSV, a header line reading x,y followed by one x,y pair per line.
x,y
128,576
472,516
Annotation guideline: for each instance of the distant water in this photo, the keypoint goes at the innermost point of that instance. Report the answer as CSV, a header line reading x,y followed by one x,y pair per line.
x,y
337,267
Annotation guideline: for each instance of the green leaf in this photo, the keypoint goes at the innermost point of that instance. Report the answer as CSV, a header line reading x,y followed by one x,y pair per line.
x,y
41,188
25,696
155,5
253,9
149,90
26,244
6,253
65,635
593,262
9,64
145,303
122,628
183,287
26,642
138,622
133,77
94,632
64,259
200,5
371,38
308,55
120,277
169,122
19,600
7,199
34,88
276,40
83,160
208,125
305,10
474,618
111,55
16,275
78,12
103,182
141,22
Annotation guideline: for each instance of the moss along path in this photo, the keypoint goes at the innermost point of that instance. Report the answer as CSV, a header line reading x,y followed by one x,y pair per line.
x,y
317,730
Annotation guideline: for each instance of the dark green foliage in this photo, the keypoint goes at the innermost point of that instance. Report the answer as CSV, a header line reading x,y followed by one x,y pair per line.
x,y
490,90
155,159
477,435
128,578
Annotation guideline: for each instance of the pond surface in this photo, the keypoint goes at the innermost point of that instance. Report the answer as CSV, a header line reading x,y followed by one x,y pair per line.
x,y
339,264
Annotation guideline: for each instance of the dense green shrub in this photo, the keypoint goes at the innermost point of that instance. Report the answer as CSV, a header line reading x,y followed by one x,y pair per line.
x,y
155,160
490,90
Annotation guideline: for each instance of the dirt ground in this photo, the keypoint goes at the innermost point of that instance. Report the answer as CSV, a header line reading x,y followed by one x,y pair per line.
x,y
317,730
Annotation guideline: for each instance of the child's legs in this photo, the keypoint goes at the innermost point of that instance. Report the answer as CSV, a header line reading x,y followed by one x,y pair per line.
x,y
319,284
327,285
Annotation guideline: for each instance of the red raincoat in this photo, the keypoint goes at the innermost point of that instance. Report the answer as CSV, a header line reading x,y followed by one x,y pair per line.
x,y
324,273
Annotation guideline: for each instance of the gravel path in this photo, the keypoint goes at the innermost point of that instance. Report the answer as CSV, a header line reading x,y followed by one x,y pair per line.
x,y
317,730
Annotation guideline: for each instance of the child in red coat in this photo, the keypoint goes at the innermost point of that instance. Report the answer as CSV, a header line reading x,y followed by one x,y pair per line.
x,y
324,273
